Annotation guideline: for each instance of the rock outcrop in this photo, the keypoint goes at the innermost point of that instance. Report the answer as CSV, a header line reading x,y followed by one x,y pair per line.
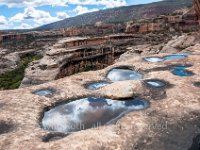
x,y
185,22
177,44
8,61
171,121
73,55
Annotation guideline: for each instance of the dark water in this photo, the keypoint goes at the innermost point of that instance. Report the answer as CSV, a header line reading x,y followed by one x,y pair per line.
x,y
44,92
88,112
196,143
181,71
123,74
97,85
197,84
155,83
6,127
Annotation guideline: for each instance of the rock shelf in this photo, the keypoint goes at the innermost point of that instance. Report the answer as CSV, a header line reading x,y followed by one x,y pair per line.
x,y
171,121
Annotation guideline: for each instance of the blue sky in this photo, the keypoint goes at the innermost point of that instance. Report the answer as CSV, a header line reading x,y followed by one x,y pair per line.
x,y
26,14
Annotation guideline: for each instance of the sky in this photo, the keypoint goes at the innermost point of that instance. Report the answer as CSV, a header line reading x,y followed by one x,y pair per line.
x,y
27,14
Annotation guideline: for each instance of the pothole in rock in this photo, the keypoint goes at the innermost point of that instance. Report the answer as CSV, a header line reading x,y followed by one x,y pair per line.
x,y
172,57
153,59
169,57
155,83
197,84
48,92
88,113
97,85
181,71
6,127
122,74
53,137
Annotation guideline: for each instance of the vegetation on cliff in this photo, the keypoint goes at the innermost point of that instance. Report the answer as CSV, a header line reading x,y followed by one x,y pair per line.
x,y
12,79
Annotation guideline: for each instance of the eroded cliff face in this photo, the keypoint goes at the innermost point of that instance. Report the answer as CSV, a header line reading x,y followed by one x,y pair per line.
x,y
74,55
170,122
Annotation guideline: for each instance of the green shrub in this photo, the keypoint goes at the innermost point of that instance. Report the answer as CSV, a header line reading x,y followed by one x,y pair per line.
x,y
12,79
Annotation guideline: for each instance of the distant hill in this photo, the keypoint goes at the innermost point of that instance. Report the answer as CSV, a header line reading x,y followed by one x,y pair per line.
x,y
121,14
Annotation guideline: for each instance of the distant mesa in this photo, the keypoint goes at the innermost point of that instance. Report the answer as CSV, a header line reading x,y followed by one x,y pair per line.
x,y
124,14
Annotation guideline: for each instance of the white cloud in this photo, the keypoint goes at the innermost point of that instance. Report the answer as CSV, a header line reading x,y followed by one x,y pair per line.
x,y
32,3
17,18
81,10
3,20
23,26
34,17
106,3
62,15
113,3
38,16
36,3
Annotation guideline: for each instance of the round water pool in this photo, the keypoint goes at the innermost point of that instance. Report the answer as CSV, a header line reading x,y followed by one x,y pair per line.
x,y
181,71
88,113
153,59
97,85
155,83
172,57
44,92
123,74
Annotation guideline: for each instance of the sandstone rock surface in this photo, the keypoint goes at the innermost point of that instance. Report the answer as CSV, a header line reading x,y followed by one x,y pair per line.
x,y
179,43
171,122
8,61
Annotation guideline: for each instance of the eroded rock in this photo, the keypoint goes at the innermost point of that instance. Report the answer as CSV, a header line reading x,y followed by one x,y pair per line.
x,y
171,121
179,43
121,90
